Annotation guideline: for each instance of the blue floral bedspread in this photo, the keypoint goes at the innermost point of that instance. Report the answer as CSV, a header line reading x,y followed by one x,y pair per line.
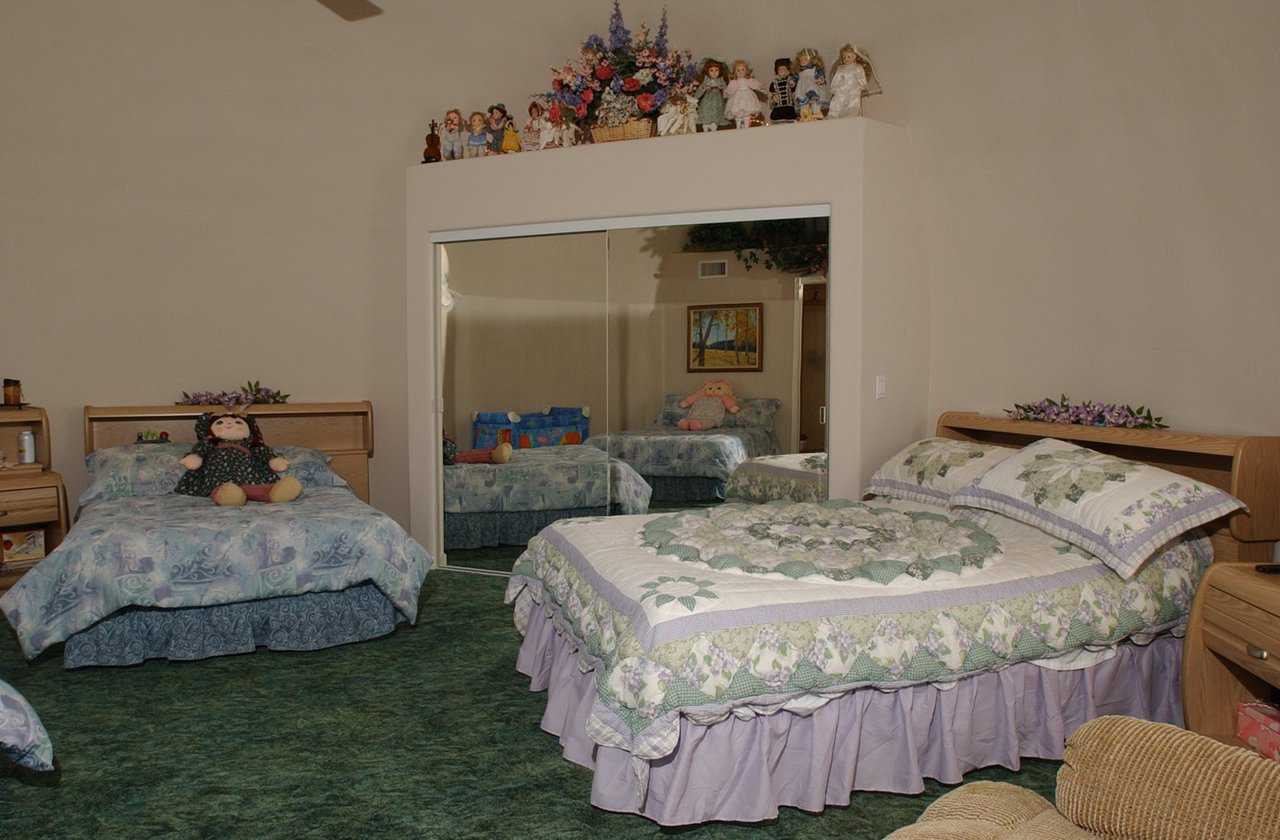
x,y
668,451
23,739
546,478
182,551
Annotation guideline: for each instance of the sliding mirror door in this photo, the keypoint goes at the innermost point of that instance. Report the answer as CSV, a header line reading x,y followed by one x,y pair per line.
x,y
637,370
718,360
524,383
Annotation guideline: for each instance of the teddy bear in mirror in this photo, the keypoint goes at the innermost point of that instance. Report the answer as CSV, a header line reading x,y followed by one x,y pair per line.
x,y
231,464
707,406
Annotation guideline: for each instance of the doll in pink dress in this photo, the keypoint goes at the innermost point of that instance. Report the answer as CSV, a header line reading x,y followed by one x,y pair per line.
x,y
744,96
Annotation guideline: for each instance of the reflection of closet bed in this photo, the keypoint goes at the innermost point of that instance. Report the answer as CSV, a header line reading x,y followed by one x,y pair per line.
x,y
798,477
506,504
684,466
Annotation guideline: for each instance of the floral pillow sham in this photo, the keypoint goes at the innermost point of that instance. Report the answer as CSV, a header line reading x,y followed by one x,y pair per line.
x,y
153,469
1120,511
140,469
23,739
933,469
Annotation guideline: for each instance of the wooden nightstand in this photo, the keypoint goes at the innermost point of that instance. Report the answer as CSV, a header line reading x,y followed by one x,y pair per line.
x,y
1232,650
30,498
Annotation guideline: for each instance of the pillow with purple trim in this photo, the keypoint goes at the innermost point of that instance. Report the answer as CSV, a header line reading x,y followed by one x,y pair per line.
x,y
931,470
1122,512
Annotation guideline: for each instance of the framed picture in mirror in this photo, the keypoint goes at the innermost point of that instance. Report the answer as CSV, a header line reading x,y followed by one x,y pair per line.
x,y
725,338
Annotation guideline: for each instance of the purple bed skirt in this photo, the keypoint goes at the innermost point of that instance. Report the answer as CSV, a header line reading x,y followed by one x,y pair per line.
x,y
867,739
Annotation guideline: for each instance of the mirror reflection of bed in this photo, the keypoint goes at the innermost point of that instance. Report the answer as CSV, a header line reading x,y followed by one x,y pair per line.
x,y
628,371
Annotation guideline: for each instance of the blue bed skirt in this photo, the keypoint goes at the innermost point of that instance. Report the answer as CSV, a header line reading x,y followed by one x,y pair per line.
x,y
485,530
685,488
310,621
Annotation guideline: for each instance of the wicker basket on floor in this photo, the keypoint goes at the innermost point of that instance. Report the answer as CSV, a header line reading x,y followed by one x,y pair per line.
x,y
630,130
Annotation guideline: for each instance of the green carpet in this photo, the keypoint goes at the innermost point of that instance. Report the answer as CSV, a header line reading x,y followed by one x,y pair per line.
x,y
498,558
429,732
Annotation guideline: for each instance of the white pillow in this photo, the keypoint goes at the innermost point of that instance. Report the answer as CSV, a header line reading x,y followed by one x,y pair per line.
x,y
1120,511
931,470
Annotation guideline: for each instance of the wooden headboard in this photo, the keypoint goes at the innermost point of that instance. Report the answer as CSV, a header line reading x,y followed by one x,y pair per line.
x,y
1246,467
343,431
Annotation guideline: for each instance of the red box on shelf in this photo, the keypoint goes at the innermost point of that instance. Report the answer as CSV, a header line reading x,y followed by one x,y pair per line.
x,y
1258,725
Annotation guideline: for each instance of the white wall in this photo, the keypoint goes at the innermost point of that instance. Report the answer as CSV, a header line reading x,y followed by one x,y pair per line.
x,y
1109,162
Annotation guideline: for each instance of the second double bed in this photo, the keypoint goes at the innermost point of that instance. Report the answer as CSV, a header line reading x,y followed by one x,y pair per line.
x,y
718,664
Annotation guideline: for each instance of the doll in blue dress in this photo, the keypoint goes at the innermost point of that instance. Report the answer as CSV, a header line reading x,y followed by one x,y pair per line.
x,y
478,141
811,94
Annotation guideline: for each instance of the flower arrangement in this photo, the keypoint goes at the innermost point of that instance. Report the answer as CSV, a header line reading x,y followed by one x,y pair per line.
x,y
250,393
624,79
1087,413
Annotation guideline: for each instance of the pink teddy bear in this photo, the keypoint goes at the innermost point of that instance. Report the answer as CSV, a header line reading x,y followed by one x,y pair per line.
x,y
709,404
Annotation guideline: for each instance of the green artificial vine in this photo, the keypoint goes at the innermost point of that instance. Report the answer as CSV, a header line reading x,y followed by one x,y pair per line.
x,y
789,246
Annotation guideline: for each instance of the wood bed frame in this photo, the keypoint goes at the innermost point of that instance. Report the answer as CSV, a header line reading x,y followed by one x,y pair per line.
x,y
1246,467
343,431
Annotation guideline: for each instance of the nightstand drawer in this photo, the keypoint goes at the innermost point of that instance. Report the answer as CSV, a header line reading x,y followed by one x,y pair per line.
x,y
28,507
1251,654
1251,623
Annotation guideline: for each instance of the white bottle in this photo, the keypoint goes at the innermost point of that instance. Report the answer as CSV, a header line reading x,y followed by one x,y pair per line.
x,y
26,447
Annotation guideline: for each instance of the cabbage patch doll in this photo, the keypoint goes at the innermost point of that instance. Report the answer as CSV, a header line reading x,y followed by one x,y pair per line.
x,y
707,406
230,464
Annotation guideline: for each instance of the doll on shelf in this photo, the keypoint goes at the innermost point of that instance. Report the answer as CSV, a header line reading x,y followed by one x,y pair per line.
x,y
498,119
811,84
710,94
782,92
567,131
451,136
511,142
539,133
852,81
478,141
745,95
679,116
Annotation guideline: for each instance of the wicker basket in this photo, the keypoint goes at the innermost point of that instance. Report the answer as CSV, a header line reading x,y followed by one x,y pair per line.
x,y
630,130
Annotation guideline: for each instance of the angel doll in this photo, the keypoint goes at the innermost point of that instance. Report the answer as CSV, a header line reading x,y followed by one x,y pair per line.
x,y
679,116
852,80
811,84
710,94
745,95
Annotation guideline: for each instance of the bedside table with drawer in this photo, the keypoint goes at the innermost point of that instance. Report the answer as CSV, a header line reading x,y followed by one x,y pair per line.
x,y
32,496
1232,650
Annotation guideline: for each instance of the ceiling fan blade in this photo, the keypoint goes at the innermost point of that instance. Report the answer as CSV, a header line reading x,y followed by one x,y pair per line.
x,y
351,9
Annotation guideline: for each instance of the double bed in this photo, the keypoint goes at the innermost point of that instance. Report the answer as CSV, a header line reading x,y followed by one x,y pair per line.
x,y
687,466
506,504
146,573
718,664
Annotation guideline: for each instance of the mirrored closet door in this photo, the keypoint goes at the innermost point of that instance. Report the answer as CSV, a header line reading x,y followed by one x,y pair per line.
x,y
717,354
628,371
524,381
